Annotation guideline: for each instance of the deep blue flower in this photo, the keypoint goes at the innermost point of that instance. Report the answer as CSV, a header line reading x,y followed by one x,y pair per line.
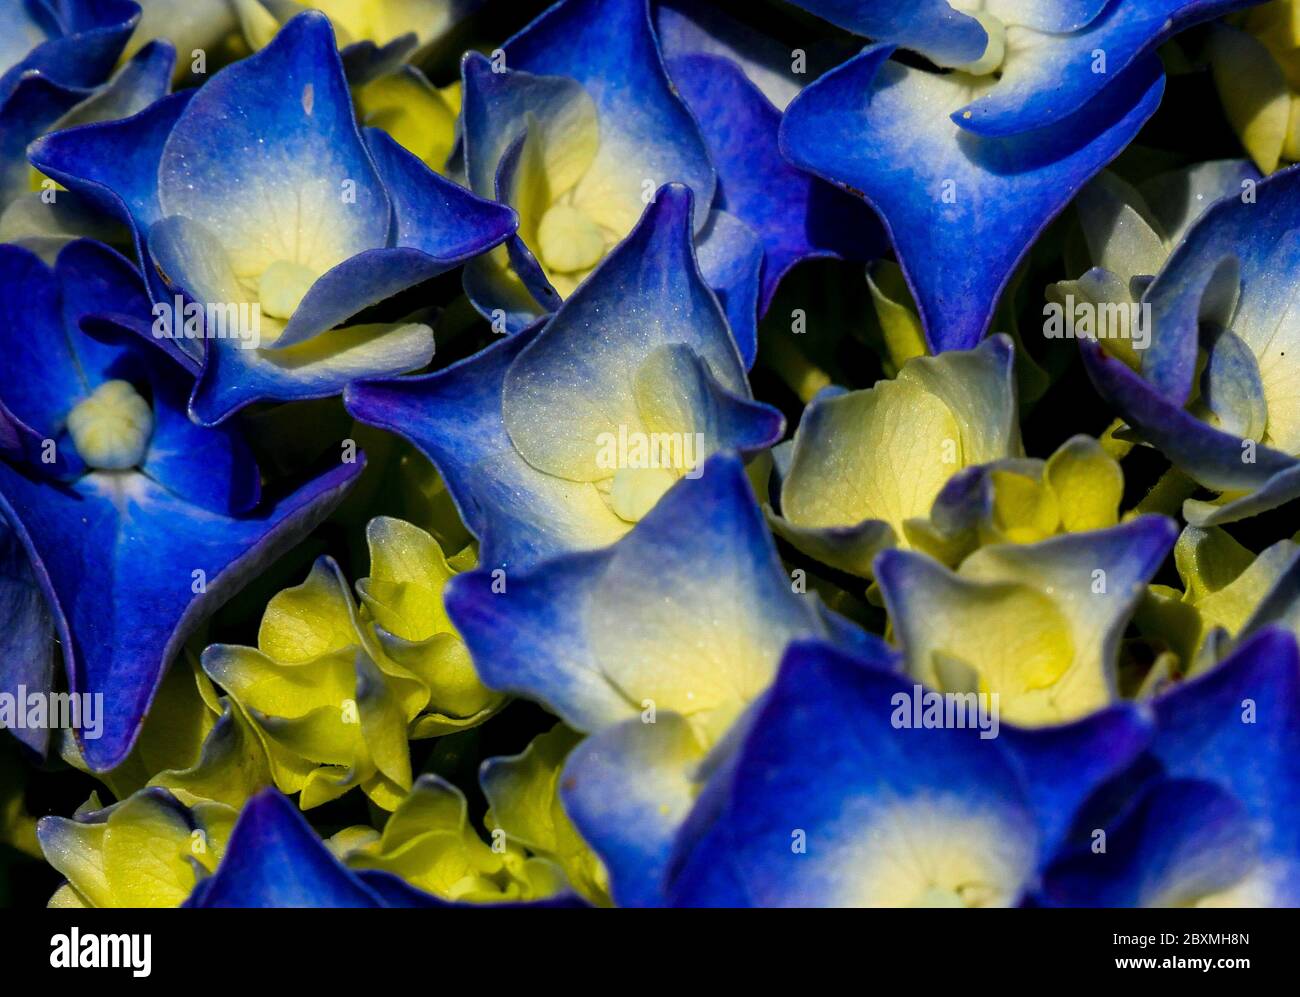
x,y
529,433
138,522
258,191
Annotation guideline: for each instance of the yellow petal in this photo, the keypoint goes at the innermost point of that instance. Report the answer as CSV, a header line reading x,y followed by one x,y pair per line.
x,y
1254,93
1088,484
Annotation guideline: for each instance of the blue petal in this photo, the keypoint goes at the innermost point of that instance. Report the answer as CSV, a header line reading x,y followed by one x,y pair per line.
x,y
685,28
264,154
495,111
1239,726
504,425
116,557
961,210
234,376
796,216
930,27
552,634
826,767
439,225
1250,239
114,165
1185,839
27,647
628,789
493,285
275,859
609,47
145,78
39,104
1062,766
1056,75
78,41
1211,456
731,260
432,214
454,417
647,294
35,104
39,380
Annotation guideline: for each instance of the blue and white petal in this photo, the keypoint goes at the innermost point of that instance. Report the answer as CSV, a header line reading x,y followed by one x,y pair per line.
x,y
1037,624
961,209
647,134
521,431
74,44
931,27
831,803
596,635
1051,71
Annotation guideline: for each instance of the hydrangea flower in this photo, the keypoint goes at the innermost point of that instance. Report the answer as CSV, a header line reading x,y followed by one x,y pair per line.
x,y
1217,827
149,850
576,125
1212,392
56,70
1041,97
868,466
955,188
39,106
655,657
1129,234
721,70
310,224
334,689
552,439
108,479
1038,624
70,44
830,802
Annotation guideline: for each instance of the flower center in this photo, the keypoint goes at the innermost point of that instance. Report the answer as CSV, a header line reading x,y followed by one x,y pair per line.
x,y
111,428
282,287
996,49
568,241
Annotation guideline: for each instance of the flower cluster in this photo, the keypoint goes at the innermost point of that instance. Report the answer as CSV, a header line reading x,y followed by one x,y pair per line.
x,y
743,543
